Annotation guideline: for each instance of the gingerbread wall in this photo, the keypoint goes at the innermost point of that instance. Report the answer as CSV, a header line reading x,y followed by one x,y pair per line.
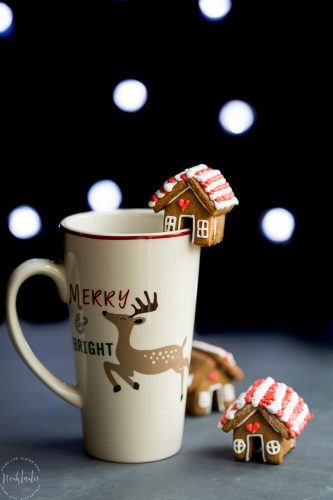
x,y
256,426
189,211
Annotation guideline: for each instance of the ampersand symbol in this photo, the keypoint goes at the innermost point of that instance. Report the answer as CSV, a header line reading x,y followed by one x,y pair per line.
x,y
80,324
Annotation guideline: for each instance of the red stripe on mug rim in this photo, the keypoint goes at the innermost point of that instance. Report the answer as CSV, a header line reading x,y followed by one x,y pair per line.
x,y
148,236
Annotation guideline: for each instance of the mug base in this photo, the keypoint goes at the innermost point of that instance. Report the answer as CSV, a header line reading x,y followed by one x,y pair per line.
x,y
127,459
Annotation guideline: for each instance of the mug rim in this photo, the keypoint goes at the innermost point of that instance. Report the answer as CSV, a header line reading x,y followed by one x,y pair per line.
x,y
100,235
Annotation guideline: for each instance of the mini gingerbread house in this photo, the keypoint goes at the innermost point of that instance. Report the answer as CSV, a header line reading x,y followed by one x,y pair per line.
x,y
199,197
212,371
266,418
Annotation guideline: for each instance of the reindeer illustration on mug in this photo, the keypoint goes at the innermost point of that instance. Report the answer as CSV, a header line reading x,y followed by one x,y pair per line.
x,y
148,362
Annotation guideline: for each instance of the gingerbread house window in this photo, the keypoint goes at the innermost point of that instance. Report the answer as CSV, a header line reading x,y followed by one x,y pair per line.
x,y
170,223
273,447
202,229
239,445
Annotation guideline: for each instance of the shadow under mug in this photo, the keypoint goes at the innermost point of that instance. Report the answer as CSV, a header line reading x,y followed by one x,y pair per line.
x,y
131,292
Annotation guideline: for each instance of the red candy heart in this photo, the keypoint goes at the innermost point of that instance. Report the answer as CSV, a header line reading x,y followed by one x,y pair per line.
x,y
213,376
183,204
253,427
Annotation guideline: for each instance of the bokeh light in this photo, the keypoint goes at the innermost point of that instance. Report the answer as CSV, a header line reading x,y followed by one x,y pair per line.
x,y
130,95
104,195
236,117
6,18
214,10
278,225
24,222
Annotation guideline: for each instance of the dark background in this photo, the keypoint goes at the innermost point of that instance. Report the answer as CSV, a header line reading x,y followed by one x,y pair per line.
x,y
60,132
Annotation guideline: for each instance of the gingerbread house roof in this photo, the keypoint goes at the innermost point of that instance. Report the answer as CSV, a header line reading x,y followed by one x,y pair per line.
x,y
279,404
222,357
208,184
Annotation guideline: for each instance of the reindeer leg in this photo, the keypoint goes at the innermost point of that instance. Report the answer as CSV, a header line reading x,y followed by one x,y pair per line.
x,y
186,362
186,365
107,368
126,377
181,373
181,384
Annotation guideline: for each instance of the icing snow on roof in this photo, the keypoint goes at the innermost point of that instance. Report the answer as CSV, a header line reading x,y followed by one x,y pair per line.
x,y
278,399
210,180
204,346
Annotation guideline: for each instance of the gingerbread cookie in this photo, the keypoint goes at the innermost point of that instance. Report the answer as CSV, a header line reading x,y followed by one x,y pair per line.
x,y
212,370
199,197
266,418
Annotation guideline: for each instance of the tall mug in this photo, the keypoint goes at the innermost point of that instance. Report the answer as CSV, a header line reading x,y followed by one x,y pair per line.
x,y
131,292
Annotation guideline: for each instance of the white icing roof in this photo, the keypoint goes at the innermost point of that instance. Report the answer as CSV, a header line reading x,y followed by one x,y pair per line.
x,y
206,347
278,399
210,180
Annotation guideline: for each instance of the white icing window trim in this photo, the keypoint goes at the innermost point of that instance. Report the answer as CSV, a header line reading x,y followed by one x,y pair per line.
x,y
170,223
205,401
202,228
229,392
273,447
239,446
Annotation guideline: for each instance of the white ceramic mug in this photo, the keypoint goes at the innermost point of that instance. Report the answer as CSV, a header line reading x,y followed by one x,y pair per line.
x,y
131,291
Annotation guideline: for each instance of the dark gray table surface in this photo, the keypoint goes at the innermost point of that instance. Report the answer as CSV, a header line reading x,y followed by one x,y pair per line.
x,y
37,424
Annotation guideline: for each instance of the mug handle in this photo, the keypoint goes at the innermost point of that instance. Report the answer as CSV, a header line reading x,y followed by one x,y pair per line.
x,y
29,268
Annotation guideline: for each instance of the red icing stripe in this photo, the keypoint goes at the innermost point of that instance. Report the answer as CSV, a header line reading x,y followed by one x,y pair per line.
x,y
307,417
199,172
184,177
153,198
172,180
269,397
218,188
226,197
297,410
286,400
162,190
223,419
250,392
211,180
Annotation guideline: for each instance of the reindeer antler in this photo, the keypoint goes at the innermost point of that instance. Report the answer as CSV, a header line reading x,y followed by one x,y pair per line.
x,y
144,308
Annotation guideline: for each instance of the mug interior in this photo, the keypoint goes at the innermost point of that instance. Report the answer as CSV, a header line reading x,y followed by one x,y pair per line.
x,y
118,222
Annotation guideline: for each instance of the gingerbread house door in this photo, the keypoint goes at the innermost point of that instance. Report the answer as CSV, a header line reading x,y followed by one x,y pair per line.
x,y
183,223
252,444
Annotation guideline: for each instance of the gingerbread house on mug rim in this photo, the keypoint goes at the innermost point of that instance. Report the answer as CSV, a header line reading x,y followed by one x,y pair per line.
x,y
199,197
212,371
267,417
